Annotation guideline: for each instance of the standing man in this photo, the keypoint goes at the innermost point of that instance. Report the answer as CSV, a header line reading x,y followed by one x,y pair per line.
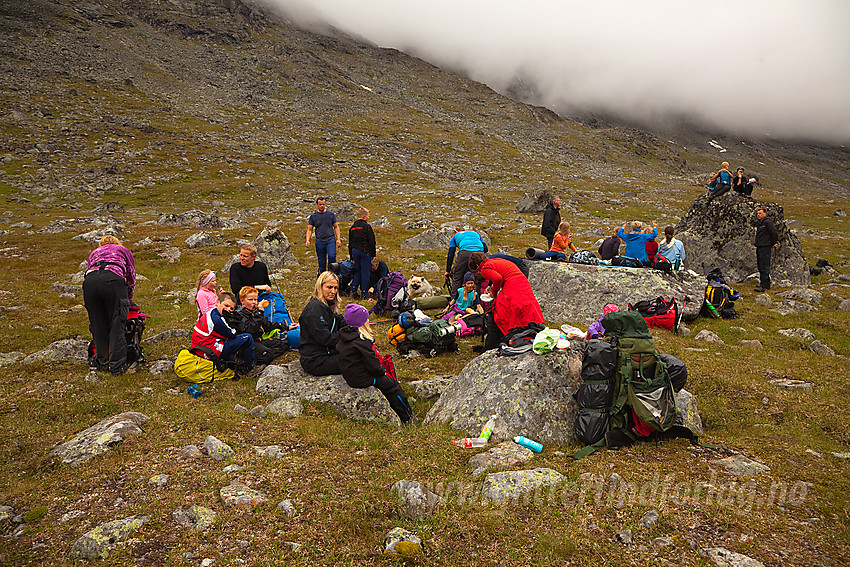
x,y
326,227
249,271
464,243
766,239
551,220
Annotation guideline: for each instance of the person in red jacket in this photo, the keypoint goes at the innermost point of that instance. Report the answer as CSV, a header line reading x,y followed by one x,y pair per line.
x,y
213,332
514,304
358,360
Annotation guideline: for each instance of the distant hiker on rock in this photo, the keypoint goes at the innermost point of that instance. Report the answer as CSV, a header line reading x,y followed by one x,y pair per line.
x,y
551,220
721,182
249,271
328,239
358,359
361,250
610,247
767,238
320,325
514,304
463,243
741,184
636,241
671,248
560,244
107,293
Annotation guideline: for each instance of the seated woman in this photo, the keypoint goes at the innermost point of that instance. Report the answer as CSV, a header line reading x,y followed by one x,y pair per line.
x,y
467,301
610,247
560,243
269,338
361,368
320,325
206,292
514,304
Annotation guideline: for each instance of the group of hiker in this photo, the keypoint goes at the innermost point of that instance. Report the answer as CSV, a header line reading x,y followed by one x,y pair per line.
x,y
233,324
723,180
640,241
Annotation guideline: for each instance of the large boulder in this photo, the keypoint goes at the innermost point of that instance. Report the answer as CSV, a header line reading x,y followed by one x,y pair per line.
x,y
578,292
720,234
291,381
530,394
193,218
273,249
64,350
534,202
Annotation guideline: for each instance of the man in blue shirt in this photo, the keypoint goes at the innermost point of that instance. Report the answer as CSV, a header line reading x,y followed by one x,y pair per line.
x,y
464,243
326,227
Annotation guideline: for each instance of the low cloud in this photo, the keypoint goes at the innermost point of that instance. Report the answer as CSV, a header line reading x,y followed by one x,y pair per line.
x,y
757,67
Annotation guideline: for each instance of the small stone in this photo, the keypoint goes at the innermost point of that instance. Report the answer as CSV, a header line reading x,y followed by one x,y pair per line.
x,y
683,331
257,411
92,377
207,562
815,453
239,408
401,543
765,400
190,452
663,541
505,454
708,336
724,558
417,502
821,349
798,333
240,495
754,344
159,480
147,390
841,455
844,305
217,450
287,507
196,517
294,547
161,367
285,406
742,466
649,519
624,537
270,451
764,300
791,384
232,468
6,514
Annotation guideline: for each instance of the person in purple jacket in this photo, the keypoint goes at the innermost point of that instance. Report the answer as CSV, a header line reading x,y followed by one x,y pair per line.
x,y
107,292
596,330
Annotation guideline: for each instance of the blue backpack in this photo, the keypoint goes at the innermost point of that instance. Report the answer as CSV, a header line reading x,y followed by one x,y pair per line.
x,y
276,312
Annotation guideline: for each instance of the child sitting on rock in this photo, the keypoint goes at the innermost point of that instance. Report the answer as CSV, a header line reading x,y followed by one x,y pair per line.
x,y
358,360
466,303
560,244
596,330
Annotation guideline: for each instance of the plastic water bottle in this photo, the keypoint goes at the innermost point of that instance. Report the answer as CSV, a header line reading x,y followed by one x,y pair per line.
x,y
470,442
194,391
528,443
678,263
487,430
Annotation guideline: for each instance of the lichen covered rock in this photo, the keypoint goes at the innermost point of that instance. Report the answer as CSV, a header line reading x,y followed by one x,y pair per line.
x,y
510,485
96,543
99,438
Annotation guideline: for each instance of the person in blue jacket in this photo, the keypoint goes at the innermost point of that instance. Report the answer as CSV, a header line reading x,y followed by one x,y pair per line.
x,y
464,243
636,241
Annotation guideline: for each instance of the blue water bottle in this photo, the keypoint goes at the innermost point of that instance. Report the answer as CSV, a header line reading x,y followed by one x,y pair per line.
x,y
528,443
194,391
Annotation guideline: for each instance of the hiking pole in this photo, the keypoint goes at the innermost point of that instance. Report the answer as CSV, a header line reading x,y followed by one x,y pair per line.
x,y
275,283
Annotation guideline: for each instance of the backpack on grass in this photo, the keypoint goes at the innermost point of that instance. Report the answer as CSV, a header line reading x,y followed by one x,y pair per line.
x,y
658,312
385,290
719,297
192,367
430,340
626,394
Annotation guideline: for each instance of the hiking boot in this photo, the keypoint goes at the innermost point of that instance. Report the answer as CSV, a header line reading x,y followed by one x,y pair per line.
x,y
256,371
759,289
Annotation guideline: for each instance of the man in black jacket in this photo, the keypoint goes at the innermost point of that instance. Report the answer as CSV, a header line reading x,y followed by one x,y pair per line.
x,y
766,239
551,220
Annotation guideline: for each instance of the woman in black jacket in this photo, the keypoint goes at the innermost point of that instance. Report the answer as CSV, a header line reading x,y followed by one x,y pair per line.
x,y
358,359
361,250
320,325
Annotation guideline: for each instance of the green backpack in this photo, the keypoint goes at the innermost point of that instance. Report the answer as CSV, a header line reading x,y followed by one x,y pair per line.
x,y
436,333
640,393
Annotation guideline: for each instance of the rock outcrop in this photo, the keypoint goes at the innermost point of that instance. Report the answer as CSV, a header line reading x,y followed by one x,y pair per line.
x,y
576,293
273,249
531,395
99,438
291,381
719,235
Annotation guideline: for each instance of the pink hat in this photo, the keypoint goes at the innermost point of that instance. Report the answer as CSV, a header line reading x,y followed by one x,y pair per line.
x,y
356,315
610,308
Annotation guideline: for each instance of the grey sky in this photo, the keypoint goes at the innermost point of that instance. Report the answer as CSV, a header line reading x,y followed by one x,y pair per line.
x,y
777,67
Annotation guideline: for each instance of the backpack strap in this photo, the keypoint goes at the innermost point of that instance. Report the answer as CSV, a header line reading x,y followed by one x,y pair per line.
x,y
209,354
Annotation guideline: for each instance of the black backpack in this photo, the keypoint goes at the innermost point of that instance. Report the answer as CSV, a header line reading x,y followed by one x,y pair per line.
x,y
626,394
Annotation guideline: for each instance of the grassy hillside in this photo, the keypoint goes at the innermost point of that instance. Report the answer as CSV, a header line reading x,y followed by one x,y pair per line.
x,y
167,107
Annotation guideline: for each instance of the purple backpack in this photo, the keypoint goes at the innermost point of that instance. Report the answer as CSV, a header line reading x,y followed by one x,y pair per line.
x,y
385,290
